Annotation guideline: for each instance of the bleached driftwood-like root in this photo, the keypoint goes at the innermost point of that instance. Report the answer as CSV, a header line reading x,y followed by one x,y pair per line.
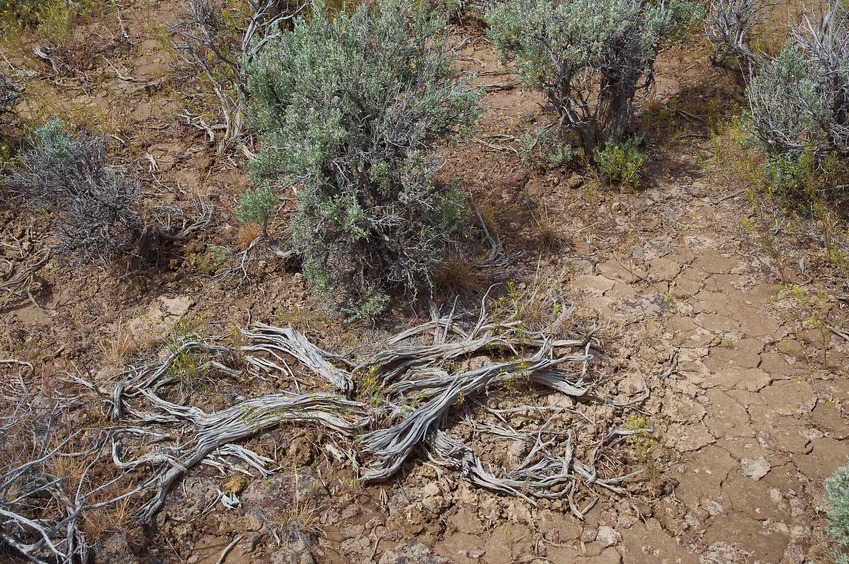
x,y
413,389
17,276
275,340
391,446
211,432
137,398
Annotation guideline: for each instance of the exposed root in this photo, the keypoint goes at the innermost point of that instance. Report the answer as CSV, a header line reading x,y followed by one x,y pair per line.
x,y
17,276
407,395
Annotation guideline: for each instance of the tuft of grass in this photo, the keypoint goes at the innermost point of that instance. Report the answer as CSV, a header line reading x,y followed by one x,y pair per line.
x,y
247,234
459,276
548,233
116,350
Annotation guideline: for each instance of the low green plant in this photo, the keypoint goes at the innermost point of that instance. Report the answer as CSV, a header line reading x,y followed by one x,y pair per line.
x,y
214,260
187,365
642,441
50,19
620,163
369,388
837,491
545,146
257,206
798,112
369,304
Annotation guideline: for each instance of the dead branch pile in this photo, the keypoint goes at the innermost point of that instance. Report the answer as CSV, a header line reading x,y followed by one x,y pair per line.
x,y
41,509
430,381
17,272
413,389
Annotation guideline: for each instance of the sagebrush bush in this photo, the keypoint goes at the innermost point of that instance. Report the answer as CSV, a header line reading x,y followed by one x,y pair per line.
x,y
92,203
729,26
589,57
218,39
837,490
799,102
350,107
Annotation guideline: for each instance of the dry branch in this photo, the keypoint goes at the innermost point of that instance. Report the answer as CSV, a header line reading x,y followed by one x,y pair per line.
x,y
40,512
17,277
413,389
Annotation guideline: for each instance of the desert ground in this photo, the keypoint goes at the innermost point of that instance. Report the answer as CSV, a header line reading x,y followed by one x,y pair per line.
x,y
718,327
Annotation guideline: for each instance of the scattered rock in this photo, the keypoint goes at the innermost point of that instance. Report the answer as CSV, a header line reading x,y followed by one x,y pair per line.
x,y
712,507
721,553
755,468
608,536
296,549
589,534
411,552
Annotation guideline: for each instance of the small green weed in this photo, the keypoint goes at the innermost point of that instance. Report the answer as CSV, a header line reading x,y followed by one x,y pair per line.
x,y
187,366
545,148
370,304
620,164
642,442
368,387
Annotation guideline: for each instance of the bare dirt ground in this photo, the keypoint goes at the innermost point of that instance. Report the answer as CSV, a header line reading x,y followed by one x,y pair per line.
x,y
749,395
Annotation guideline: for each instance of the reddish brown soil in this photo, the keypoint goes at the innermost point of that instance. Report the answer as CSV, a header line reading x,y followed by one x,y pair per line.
x,y
745,429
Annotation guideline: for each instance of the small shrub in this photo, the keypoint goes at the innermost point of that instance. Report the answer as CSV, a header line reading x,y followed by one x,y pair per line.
x,y
218,39
589,57
545,148
257,206
50,18
92,202
621,163
350,107
799,112
837,490
729,26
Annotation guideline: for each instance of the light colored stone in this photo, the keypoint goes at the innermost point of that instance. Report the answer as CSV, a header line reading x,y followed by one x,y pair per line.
x,y
755,468
608,536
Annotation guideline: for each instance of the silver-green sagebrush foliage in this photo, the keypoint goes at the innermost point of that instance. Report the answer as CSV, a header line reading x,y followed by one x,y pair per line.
x,y
589,57
257,206
799,102
837,490
349,108
92,202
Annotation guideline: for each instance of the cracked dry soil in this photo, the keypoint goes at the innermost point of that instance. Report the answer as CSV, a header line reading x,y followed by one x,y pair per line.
x,y
748,413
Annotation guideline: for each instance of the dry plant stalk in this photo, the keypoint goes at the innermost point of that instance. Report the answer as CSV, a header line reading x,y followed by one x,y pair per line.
x,y
47,477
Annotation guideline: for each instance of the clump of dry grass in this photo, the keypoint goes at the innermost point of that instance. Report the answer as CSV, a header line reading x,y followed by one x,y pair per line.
x,y
547,233
459,276
116,350
247,234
